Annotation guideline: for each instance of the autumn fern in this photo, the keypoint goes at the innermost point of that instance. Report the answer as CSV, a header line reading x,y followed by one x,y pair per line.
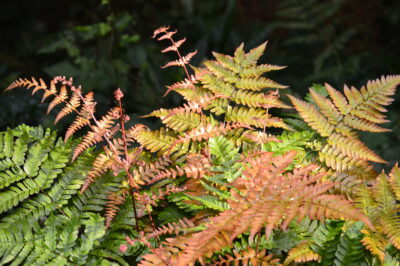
x,y
380,204
338,117
228,179
273,198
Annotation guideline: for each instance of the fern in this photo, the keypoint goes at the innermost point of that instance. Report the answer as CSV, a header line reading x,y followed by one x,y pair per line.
x,y
380,204
226,180
289,202
28,171
338,118
44,227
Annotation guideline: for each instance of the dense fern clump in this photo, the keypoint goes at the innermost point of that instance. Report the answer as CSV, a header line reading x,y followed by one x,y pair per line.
x,y
232,176
44,219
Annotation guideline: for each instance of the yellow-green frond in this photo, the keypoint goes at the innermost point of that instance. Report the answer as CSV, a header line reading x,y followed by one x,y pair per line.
x,y
253,99
302,253
338,161
313,117
257,84
326,107
227,62
353,148
156,141
258,70
395,181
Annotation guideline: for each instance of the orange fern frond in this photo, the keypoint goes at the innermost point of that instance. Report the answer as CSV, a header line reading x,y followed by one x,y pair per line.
x,y
175,228
101,129
185,84
160,30
23,82
272,196
245,257
146,199
72,105
197,165
59,98
114,199
174,47
375,243
207,131
84,115
100,166
260,137
166,34
395,180
339,117
182,61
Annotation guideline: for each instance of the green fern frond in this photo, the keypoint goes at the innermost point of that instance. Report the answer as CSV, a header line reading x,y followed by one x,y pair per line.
x,y
32,169
156,141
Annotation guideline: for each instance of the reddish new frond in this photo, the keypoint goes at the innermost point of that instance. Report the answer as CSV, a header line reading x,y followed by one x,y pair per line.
x,y
103,128
208,131
153,172
49,92
159,30
185,84
100,166
197,165
22,82
167,35
151,199
114,199
175,46
175,227
90,139
84,116
72,105
182,61
60,98
245,257
272,197
260,137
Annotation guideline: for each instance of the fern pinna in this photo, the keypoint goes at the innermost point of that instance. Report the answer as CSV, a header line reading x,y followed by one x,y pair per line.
x,y
216,184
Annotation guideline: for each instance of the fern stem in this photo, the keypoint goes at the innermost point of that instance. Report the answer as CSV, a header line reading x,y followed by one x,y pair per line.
x,y
128,162
152,224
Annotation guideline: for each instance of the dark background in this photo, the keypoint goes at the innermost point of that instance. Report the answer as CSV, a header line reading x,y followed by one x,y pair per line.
x,y
106,44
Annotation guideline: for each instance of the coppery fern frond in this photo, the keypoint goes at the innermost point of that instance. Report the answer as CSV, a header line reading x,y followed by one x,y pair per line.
x,y
246,257
100,166
272,197
197,166
23,82
114,199
206,132
71,106
101,129
185,84
260,137
182,61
